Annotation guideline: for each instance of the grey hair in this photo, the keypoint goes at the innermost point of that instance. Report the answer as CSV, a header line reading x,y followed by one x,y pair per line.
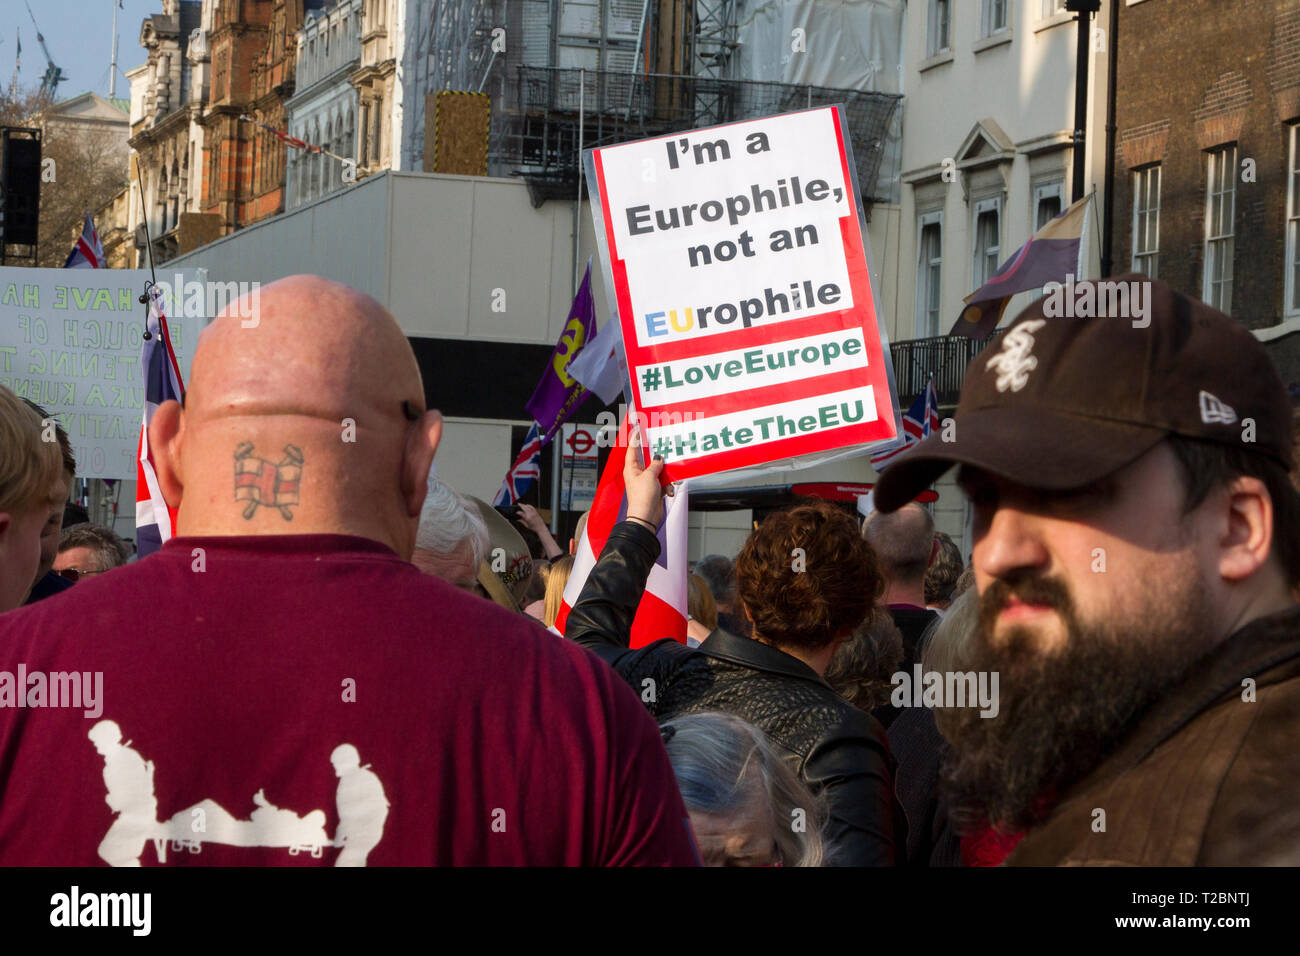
x,y
110,550
717,759
449,523
943,646
947,646
902,539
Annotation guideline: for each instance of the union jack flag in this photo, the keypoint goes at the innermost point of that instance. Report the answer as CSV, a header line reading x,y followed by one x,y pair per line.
x,y
155,522
918,422
662,610
524,471
88,253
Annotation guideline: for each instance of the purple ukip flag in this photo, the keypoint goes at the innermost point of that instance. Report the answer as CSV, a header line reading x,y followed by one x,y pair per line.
x,y
558,394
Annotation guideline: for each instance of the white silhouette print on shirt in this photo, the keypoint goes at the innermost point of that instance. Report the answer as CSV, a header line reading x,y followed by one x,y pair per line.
x,y
128,777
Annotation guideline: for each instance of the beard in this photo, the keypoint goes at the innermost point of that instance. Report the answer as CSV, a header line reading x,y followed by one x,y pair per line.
x,y
1064,709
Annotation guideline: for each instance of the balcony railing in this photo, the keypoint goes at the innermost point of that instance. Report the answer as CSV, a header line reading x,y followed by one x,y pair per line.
x,y
945,356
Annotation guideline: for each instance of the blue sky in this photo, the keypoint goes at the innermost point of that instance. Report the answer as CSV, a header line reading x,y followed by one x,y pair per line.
x,y
78,34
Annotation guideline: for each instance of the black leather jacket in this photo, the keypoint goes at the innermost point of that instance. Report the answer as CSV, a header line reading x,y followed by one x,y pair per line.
x,y
835,748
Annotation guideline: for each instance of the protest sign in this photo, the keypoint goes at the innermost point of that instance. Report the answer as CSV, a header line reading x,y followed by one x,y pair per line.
x,y
738,261
70,341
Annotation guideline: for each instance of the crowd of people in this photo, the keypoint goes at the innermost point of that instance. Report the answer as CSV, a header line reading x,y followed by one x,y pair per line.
x,y
1111,675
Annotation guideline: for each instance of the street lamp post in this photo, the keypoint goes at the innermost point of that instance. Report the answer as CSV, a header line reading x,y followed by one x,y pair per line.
x,y
1084,9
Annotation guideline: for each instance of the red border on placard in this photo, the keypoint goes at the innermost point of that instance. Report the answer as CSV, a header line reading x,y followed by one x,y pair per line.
x,y
860,316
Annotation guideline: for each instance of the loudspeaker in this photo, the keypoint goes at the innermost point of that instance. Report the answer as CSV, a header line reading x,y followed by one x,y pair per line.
x,y
20,182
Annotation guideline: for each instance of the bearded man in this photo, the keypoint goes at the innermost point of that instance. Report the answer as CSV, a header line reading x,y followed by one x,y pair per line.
x,y
1136,549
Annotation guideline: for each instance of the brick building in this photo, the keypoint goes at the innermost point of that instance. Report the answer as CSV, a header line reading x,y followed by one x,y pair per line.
x,y
273,82
1207,164
207,172
252,49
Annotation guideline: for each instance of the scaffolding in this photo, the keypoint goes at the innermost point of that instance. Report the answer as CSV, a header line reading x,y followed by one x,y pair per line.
x,y
713,42
648,68
451,49
540,141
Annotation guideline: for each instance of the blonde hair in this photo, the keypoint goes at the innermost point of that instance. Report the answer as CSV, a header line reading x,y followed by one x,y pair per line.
x,y
700,604
557,576
31,466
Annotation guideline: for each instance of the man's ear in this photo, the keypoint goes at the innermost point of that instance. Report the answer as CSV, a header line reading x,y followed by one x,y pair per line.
x,y
1247,537
422,439
166,429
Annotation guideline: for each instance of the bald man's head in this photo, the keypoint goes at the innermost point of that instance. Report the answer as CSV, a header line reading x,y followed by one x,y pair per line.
x,y
903,541
304,414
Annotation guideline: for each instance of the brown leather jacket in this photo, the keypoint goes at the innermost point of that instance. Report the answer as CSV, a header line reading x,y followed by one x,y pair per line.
x,y
1206,778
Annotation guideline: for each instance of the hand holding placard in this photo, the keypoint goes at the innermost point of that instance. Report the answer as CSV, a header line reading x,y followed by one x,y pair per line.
x,y
645,501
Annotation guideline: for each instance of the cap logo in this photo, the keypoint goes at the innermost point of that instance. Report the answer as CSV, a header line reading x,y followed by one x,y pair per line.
x,y
1014,363
1213,411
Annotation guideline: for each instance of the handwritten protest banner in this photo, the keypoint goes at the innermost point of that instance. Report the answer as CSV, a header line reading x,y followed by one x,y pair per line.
x,y
70,341
738,261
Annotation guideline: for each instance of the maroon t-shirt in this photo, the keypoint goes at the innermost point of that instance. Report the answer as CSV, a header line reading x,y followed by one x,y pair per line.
x,y
313,699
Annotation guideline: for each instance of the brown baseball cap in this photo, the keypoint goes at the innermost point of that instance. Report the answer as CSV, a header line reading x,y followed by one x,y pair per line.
x,y
1059,401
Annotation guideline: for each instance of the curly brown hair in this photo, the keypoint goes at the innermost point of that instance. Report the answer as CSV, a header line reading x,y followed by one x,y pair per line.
x,y
806,576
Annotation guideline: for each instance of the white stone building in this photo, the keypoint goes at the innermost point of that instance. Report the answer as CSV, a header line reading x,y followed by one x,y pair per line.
x,y
379,84
990,99
163,102
987,160
324,108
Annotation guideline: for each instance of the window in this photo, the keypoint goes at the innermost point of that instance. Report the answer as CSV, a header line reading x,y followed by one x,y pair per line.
x,y
994,18
929,270
988,240
363,147
1048,203
313,190
220,79
1146,221
1220,207
940,27
1293,222
161,223
330,146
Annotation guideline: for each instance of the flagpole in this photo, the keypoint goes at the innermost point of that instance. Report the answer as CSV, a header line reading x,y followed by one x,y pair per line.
x,y
1083,242
148,243
556,471
112,65
577,200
